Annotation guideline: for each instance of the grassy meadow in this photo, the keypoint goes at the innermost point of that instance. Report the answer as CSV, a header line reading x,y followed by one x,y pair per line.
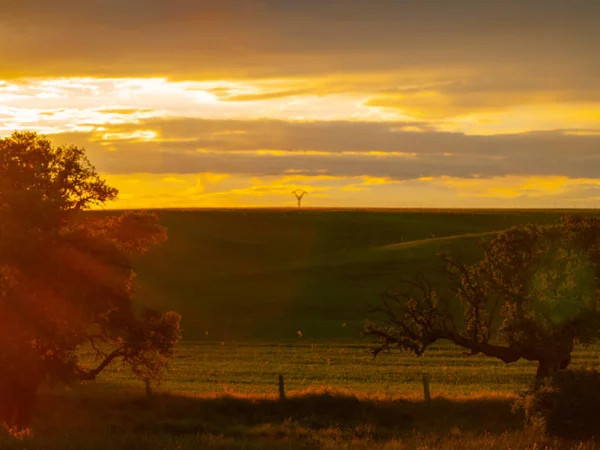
x,y
245,282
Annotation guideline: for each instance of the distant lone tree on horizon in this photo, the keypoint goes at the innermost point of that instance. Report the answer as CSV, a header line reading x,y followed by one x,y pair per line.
x,y
66,277
532,296
299,194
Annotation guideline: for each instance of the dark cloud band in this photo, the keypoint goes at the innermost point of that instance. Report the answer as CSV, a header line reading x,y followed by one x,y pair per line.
x,y
271,147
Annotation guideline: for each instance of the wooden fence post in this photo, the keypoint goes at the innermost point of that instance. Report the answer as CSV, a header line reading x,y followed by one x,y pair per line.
x,y
426,391
281,388
148,389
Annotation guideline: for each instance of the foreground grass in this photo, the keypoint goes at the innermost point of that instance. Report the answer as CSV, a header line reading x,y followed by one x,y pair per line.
x,y
327,439
225,397
313,419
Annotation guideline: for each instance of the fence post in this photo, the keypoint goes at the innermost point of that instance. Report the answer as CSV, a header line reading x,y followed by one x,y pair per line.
x,y
281,388
148,389
426,392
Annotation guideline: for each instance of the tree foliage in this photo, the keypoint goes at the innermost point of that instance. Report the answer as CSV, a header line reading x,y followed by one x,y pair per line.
x,y
533,294
66,277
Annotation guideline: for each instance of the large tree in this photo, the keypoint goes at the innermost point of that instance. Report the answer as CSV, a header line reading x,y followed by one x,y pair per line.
x,y
533,294
66,276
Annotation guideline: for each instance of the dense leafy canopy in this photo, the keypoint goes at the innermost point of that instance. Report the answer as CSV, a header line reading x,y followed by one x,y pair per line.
x,y
535,292
66,278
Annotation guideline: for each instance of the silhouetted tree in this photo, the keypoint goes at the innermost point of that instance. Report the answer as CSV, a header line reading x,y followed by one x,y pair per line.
x,y
66,277
534,293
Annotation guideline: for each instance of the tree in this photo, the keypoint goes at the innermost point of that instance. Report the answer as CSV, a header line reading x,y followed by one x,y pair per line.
x,y
533,294
66,276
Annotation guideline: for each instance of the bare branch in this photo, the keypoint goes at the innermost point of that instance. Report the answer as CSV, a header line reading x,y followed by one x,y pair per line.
x,y
92,374
99,353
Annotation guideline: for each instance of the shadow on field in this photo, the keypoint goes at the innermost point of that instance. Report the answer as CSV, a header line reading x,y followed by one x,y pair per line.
x,y
255,416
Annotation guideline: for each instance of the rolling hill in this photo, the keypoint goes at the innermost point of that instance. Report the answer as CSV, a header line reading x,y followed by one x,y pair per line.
x,y
264,274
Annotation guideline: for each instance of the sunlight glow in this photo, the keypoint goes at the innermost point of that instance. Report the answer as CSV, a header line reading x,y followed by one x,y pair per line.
x,y
110,113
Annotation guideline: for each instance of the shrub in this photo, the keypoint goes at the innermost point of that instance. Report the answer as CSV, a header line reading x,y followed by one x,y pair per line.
x,y
566,404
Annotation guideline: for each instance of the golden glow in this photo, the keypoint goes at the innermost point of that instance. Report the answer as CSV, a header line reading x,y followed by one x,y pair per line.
x,y
142,135
215,190
290,153
113,114
512,186
571,117
372,103
54,106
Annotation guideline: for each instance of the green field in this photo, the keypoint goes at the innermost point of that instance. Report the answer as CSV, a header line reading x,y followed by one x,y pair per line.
x,y
264,274
245,281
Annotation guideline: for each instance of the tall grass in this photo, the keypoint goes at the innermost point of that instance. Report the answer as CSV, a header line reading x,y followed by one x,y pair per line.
x,y
315,419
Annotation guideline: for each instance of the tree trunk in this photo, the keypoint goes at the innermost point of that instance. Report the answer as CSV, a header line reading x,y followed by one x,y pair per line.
x,y
25,405
554,359
545,369
17,399
565,363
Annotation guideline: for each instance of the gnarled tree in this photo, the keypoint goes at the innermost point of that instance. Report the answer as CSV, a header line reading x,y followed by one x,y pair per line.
x,y
66,277
534,293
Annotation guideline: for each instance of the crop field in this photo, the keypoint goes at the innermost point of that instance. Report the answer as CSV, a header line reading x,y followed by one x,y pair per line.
x,y
265,293
252,369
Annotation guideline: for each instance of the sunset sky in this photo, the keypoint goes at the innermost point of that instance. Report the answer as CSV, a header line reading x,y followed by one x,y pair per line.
x,y
375,103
